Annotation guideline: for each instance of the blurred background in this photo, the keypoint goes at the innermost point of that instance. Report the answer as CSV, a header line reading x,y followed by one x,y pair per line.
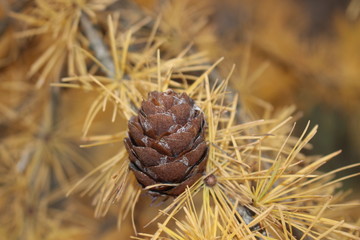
x,y
311,50
303,53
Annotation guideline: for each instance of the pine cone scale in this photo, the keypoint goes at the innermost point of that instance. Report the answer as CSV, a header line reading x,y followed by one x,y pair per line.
x,y
196,155
169,172
181,188
156,125
142,178
179,142
166,142
148,156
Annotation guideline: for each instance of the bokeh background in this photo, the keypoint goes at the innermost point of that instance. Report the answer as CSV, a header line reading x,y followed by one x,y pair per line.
x,y
312,53
302,53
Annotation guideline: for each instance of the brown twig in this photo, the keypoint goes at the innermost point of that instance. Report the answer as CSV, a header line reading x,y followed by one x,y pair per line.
x,y
97,44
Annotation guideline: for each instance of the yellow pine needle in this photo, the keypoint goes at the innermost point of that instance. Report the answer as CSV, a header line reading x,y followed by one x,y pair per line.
x,y
330,230
152,35
27,18
124,54
201,78
316,218
114,50
94,59
106,165
261,216
283,223
42,60
158,70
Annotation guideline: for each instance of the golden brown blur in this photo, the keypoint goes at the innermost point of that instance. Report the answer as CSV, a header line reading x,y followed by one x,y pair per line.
x,y
311,54
73,72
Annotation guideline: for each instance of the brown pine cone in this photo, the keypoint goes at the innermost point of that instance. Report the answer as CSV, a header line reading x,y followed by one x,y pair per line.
x,y
166,142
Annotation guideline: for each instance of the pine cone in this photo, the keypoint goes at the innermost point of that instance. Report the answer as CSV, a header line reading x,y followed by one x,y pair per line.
x,y
166,142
